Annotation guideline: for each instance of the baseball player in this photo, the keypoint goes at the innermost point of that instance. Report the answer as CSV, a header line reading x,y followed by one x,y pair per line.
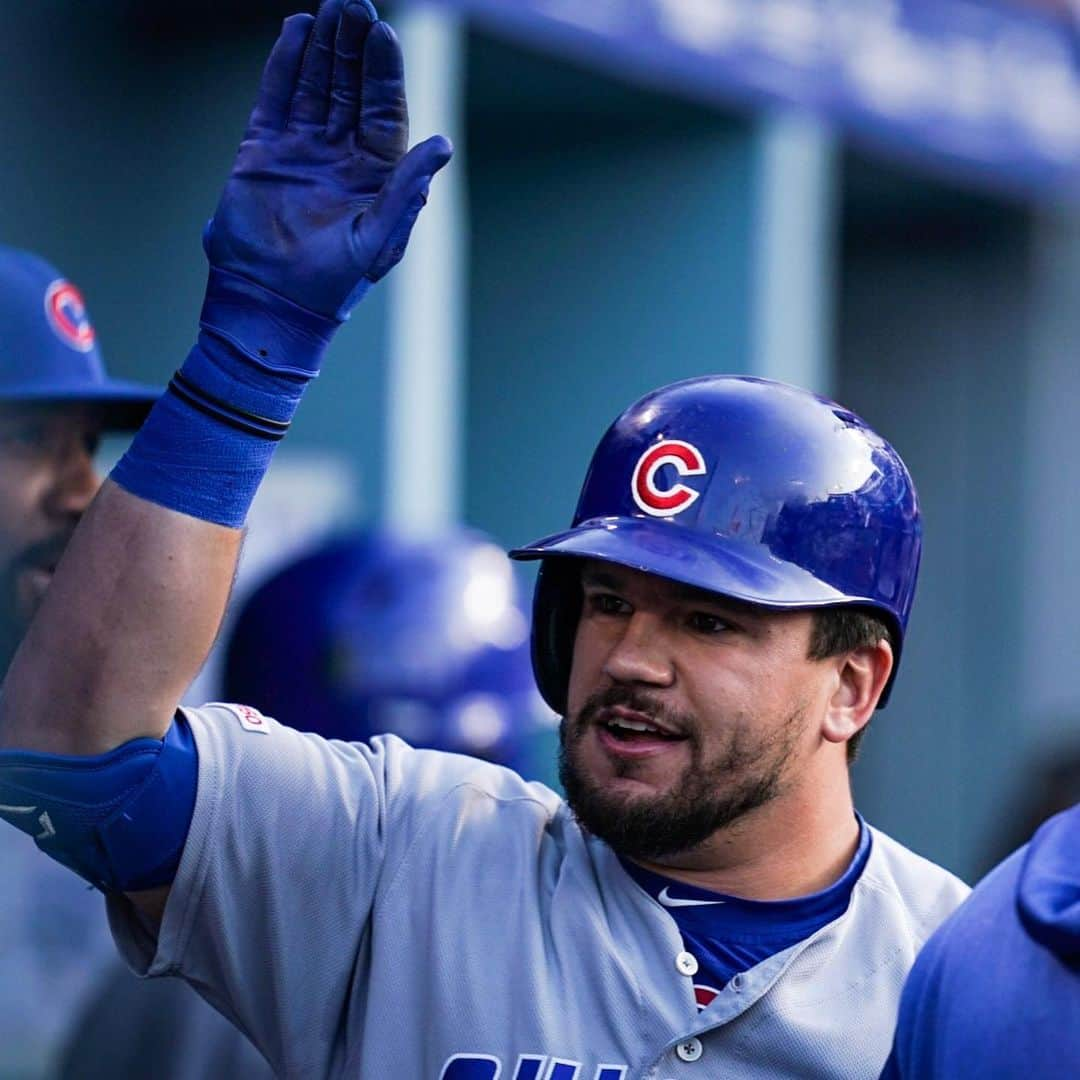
x,y
56,401
716,627
996,992
367,633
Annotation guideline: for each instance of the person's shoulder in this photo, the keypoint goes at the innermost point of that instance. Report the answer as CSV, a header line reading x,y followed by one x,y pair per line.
x,y
990,904
898,878
442,773
964,988
388,766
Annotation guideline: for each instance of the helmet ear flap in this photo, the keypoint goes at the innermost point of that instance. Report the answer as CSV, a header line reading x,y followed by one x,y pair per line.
x,y
556,611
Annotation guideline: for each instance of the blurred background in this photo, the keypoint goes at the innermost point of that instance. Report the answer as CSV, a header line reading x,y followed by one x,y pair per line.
x,y
874,199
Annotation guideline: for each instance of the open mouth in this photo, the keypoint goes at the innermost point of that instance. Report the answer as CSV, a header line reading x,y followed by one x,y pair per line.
x,y
637,731
629,730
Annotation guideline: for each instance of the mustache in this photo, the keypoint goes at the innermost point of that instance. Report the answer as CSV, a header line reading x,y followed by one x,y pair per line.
x,y
44,553
629,697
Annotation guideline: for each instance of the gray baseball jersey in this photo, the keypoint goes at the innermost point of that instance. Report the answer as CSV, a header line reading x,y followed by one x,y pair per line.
x,y
378,911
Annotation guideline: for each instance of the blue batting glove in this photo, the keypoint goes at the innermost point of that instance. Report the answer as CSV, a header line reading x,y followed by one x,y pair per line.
x,y
319,205
323,196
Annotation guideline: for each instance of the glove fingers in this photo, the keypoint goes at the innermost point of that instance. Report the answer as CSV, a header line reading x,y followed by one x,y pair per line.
x,y
384,115
388,221
356,22
311,102
278,84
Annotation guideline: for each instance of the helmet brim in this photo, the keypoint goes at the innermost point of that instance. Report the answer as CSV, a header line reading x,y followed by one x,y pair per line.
x,y
742,570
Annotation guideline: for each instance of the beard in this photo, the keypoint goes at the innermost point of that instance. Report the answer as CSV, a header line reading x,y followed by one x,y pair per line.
x,y
714,791
17,608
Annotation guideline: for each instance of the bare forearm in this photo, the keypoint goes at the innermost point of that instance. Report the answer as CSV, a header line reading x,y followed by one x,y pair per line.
x,y
125,626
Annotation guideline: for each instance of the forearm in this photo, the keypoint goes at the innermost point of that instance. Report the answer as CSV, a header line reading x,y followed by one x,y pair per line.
x,y
124,628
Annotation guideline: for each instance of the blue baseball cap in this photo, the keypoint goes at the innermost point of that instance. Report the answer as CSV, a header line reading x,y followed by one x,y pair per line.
x,y
48,349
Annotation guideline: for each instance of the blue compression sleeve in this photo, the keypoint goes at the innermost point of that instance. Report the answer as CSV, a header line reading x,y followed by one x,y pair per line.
x,y
208,442
119,820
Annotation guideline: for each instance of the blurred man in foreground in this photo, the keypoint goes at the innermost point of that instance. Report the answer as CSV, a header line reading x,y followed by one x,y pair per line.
x,y
996,991
56,401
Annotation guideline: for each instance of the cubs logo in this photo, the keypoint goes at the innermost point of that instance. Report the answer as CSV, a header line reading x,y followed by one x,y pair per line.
x,y
666,502
66,311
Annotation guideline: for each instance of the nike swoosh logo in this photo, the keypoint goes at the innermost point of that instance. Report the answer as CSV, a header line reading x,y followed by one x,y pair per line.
x,y
675,901
48,830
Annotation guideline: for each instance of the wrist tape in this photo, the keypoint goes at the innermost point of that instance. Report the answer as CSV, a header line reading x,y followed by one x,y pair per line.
x,y
207,442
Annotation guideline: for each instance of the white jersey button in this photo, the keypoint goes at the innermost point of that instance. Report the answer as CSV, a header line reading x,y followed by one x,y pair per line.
x,y
690,1050
686,963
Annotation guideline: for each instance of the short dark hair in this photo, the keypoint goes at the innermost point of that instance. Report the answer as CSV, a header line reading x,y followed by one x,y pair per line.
x,y
841,629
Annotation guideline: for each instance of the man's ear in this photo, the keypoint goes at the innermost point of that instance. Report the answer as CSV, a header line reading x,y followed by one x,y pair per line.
x,y
862,675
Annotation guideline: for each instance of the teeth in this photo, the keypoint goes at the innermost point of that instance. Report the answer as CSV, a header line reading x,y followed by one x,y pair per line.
x,y
633,725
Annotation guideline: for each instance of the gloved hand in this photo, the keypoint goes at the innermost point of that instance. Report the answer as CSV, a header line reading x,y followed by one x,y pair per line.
x,y
323,196
319,204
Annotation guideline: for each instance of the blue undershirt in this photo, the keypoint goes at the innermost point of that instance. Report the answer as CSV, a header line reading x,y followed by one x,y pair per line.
x,y
728,935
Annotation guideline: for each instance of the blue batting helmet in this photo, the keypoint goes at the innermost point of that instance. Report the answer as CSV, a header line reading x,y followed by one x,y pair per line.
x,y
48,349
378,633
745,487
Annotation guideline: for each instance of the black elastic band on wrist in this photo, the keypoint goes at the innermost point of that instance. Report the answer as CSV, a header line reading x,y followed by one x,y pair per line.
x,y
193,388
208,405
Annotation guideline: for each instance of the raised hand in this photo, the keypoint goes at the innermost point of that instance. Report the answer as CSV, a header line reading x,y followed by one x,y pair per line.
x,y
323,196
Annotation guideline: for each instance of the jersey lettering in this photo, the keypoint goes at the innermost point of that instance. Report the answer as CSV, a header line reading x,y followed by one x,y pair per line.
x,y
529,1067
660,501
563,1070
471,1067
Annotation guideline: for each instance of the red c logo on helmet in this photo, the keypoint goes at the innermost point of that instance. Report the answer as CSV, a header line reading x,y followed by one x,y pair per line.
x,y
666,502
66,312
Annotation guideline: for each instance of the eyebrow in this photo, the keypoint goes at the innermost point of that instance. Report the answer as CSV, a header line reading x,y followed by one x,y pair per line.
x,y
692,594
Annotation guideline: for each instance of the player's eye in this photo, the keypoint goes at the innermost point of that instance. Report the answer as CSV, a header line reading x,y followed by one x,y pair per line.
x,y
706,622
601,603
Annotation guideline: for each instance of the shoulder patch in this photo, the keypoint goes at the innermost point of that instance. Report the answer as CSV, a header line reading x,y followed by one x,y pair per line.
x,y
250,719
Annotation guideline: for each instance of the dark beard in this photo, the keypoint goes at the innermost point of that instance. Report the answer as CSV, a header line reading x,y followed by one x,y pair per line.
x,y
15,621
712,794
11,633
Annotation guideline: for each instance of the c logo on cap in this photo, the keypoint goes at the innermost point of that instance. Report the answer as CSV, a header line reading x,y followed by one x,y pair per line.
x,y
66,311
666,502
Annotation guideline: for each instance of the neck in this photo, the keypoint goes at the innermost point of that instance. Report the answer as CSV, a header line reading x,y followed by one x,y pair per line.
x,y
798,844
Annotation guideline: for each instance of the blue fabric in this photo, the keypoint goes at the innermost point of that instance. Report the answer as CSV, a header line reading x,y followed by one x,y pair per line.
x,y
996,991
256,353
187,461
728,935
119,819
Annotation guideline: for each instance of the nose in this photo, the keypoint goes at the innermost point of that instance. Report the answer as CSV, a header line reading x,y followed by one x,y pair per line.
x,y
641,654
76,481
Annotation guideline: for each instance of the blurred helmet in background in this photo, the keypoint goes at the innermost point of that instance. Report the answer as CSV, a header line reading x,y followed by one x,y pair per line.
x,y
374,633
